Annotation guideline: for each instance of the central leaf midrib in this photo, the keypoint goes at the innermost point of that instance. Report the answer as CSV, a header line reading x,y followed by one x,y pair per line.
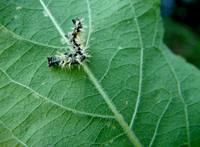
x,y
130,134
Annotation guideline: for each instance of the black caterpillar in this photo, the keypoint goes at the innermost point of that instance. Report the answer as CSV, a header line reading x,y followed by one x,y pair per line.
x,y
77,54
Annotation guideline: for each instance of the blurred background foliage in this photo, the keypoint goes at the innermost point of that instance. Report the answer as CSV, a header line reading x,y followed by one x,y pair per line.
x,y
182,28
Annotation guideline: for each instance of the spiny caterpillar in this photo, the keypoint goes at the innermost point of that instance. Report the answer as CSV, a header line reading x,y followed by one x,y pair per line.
x,y
74,56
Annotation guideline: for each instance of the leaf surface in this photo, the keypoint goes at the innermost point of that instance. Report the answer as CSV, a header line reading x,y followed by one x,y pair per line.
x,y
156,92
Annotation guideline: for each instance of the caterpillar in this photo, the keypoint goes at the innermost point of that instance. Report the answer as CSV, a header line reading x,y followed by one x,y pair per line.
x,y
74,36
67,58
77,55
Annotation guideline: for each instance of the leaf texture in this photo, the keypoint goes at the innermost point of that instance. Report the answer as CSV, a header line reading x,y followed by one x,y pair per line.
x,y
156,92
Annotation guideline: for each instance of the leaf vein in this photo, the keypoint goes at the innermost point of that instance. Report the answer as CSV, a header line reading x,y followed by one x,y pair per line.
x,y
158,122
57,104
15,137
18,37
141,65
180,96
109,65
90,23
45,124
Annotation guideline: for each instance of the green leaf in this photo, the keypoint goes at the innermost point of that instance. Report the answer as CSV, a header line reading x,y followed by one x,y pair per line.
x,y
131,79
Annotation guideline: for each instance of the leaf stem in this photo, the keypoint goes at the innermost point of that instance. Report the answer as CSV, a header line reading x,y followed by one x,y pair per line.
x,y
131,135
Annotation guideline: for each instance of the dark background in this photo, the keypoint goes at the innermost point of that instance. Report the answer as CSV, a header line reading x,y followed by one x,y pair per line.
x,y
182,28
